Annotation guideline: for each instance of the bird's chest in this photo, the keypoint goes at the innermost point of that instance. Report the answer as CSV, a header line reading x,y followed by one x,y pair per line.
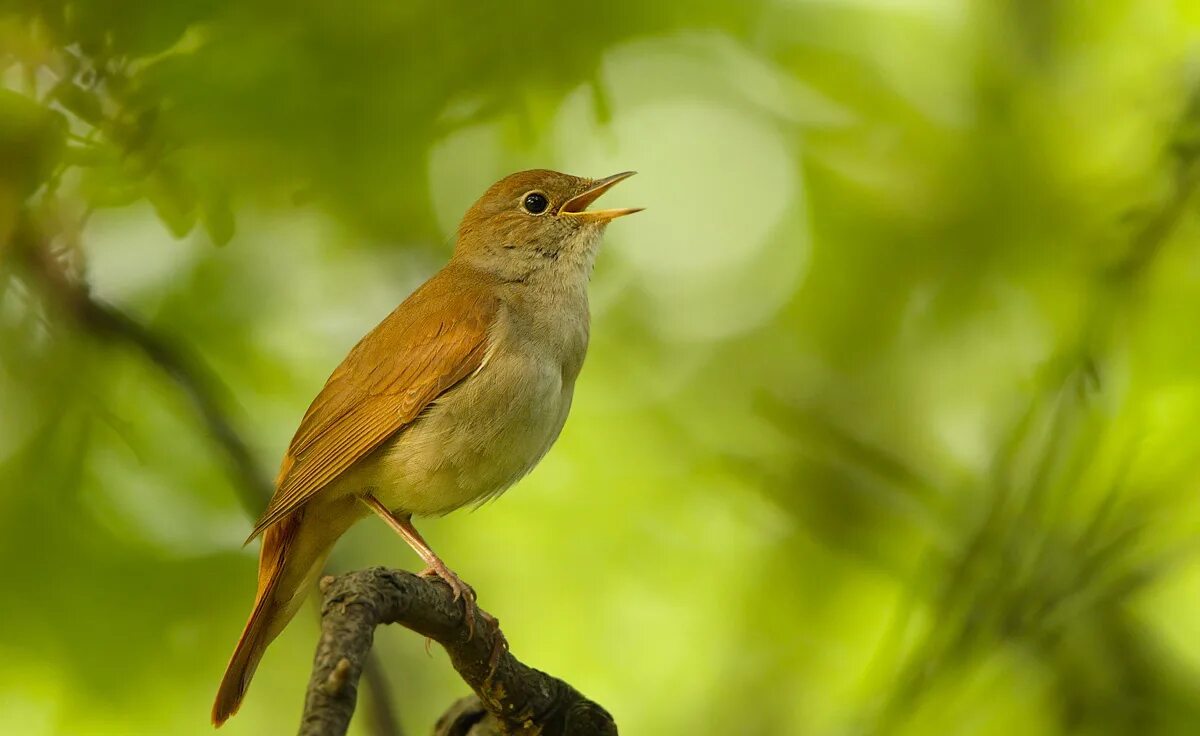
x,y
489,431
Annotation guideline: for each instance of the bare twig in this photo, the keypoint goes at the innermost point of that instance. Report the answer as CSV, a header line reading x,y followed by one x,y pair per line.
x,y
512,698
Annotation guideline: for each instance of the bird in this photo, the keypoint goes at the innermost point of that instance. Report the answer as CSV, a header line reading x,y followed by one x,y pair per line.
x,y
456,395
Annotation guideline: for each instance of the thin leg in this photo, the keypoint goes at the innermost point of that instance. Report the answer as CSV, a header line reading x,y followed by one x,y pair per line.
x,y
433,564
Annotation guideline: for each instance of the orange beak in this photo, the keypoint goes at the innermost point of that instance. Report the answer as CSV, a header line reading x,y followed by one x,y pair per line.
x,y
577,206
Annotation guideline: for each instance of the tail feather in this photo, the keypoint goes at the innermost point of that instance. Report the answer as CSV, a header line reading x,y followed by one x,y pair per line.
x,y
280,589
249,651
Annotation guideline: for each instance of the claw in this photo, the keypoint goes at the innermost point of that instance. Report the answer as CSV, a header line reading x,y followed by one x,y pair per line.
x,y
461,591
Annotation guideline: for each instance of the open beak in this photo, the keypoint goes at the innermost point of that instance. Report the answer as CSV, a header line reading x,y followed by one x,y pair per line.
x,y
577,206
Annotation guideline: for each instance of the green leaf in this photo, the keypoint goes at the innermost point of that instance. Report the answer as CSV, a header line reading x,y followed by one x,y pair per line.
x,y
218,218
86,155
174,199
32,138
109,186
80,102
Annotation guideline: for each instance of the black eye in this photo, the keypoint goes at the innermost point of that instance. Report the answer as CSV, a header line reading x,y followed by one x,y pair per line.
x,y
535,203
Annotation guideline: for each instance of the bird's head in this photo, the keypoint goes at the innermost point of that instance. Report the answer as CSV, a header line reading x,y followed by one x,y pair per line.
x,y
537,221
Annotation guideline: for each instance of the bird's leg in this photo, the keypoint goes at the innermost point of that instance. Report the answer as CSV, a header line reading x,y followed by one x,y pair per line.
x,y
433,564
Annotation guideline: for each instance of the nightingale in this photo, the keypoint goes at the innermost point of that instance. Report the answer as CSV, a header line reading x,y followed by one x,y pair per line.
x,y
450,400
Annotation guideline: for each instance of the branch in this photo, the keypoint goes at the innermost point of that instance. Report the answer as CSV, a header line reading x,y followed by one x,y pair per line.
x,y
203,389
512,698
190,375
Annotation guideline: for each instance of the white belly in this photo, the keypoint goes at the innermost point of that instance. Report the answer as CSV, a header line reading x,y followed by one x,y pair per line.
x,y
477,440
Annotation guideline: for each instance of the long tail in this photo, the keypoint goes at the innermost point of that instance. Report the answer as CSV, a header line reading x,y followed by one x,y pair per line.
x,y
287,568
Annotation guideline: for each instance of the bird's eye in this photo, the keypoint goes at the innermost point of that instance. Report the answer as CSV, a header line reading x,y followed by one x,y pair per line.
x,y
535,203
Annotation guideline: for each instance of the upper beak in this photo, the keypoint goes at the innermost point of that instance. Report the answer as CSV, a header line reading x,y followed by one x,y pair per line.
x,y
577,206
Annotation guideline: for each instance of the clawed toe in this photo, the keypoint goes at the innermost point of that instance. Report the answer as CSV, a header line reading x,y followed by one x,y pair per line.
x,y
471,609
461,591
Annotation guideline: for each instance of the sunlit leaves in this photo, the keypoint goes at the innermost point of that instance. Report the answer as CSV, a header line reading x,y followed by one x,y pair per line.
x,y
910,467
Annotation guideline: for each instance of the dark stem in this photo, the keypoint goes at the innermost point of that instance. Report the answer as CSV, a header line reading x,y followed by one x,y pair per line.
x,y
190,375
203,389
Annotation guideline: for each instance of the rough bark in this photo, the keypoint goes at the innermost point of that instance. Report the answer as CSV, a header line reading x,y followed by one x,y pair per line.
x,y
510,697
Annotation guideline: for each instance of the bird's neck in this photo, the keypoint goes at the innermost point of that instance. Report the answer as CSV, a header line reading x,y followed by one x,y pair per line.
x,y
551,314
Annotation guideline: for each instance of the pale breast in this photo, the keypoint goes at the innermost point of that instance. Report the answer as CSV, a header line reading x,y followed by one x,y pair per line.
x,y
485,434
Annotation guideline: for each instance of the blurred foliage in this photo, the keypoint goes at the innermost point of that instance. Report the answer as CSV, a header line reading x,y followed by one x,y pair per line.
x,y
891,420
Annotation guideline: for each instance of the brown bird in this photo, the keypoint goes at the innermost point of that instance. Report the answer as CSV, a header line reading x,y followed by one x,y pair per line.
x,y
450,400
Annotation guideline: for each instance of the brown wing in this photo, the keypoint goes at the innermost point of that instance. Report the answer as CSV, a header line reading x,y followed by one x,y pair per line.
x,y
435,339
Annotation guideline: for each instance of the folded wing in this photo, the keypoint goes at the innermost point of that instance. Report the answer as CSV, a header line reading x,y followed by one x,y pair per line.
x,y
436,338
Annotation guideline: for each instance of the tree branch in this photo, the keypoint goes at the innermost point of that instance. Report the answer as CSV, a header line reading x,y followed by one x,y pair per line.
x,y
190,375
511,697
196,381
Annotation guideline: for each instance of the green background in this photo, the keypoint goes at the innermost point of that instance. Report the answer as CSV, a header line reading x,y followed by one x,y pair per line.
x,y
891,418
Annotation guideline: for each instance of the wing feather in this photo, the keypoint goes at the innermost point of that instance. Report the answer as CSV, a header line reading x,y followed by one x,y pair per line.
x,y
436,338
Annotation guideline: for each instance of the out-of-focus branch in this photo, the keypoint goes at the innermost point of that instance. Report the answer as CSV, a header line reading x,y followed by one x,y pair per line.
x,y
510,697
1156,231
188,374
193,378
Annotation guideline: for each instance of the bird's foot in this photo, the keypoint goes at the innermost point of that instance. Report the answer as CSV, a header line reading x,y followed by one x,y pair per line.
x,y
461,591
471,609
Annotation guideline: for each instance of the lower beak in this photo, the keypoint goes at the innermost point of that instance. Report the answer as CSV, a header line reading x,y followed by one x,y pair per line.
x,y
577,206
